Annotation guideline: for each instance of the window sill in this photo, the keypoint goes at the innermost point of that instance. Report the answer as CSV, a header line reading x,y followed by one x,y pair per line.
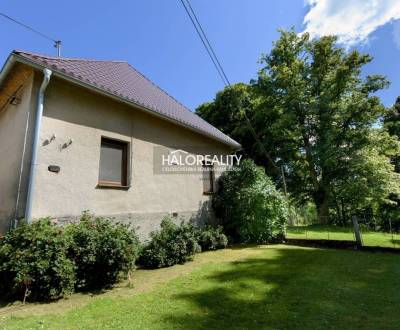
x,y
112,186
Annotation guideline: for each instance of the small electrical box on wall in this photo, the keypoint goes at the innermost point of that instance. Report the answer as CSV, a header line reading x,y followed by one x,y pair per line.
x,y
54,168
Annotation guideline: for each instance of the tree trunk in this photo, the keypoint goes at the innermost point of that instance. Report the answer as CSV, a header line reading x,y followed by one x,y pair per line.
x,y
320,194
322,203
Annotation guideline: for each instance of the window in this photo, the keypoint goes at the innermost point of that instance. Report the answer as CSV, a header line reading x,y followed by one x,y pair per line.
x,y
113,163
208,179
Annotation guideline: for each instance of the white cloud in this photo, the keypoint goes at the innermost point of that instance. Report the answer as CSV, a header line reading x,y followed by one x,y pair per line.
x,y
351,20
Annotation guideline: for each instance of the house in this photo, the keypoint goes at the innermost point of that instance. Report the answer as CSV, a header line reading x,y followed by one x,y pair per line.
x,y
78,134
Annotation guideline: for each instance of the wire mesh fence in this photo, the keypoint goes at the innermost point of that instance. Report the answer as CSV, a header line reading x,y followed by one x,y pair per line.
x,y
369,237
382,239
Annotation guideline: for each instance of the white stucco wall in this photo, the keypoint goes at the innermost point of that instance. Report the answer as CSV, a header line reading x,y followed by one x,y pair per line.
x,y
71,112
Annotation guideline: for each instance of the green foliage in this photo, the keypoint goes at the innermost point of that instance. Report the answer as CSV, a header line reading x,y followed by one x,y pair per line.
x,y
392,119
249,206
389,213
316,115
227,112
313,91
34,263
373,179
389,218
170,245
101,251
211,238
305,214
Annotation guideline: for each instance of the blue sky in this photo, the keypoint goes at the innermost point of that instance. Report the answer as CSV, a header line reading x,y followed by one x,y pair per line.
x,y
157,38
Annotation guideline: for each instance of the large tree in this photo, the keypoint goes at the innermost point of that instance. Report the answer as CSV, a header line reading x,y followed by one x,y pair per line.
x,y
228,112
235,111
316,116
392,124
390,211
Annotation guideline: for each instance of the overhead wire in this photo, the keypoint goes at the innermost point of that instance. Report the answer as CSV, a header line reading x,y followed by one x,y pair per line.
x,y
204,43
210,50
28,27
57,43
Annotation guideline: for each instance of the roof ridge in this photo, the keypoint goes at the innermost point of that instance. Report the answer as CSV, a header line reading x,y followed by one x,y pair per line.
x,y
92,60
17,51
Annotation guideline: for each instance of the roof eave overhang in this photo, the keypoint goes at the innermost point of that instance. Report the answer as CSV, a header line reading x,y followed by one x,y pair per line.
x,y
7,67
18,58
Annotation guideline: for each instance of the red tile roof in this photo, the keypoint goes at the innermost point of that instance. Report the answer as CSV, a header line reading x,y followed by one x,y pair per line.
x,y
125,82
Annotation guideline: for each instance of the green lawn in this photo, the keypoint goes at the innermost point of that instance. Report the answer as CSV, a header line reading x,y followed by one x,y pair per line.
x,y
370,238
268,287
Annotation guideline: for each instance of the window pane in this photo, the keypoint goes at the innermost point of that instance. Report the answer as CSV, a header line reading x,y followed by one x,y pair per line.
x,y
208,178
112,162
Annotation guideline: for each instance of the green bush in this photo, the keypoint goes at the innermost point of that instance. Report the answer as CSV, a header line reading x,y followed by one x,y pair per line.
x,y
171,245
249,206
101,250
211,238
34,263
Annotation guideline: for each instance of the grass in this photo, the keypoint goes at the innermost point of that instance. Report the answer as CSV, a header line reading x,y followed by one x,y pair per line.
x,y
267,287
370,238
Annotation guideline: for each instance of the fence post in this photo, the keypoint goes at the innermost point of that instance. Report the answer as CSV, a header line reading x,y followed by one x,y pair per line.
x,y
391,233
357,232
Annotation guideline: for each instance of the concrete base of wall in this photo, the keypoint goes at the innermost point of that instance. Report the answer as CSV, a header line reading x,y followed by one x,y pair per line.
x,y
145,223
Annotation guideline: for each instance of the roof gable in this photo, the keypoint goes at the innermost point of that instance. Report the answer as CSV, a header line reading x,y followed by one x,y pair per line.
x,y
124,82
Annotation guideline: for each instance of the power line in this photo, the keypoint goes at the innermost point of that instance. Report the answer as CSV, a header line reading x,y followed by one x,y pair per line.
x,y
217,65
204,44
220,70
208,43
28,27
57,43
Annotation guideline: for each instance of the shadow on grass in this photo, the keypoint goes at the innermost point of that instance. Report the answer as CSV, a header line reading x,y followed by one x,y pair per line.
x,y
298,288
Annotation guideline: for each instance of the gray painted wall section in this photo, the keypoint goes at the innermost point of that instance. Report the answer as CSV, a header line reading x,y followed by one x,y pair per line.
x,y
74,113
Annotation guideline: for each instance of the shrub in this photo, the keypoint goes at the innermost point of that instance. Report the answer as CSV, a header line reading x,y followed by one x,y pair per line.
x,y
212,239
34,263
101,250
249,206
171,245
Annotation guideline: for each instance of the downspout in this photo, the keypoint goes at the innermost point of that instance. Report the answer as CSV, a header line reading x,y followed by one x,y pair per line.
x,y
35,144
